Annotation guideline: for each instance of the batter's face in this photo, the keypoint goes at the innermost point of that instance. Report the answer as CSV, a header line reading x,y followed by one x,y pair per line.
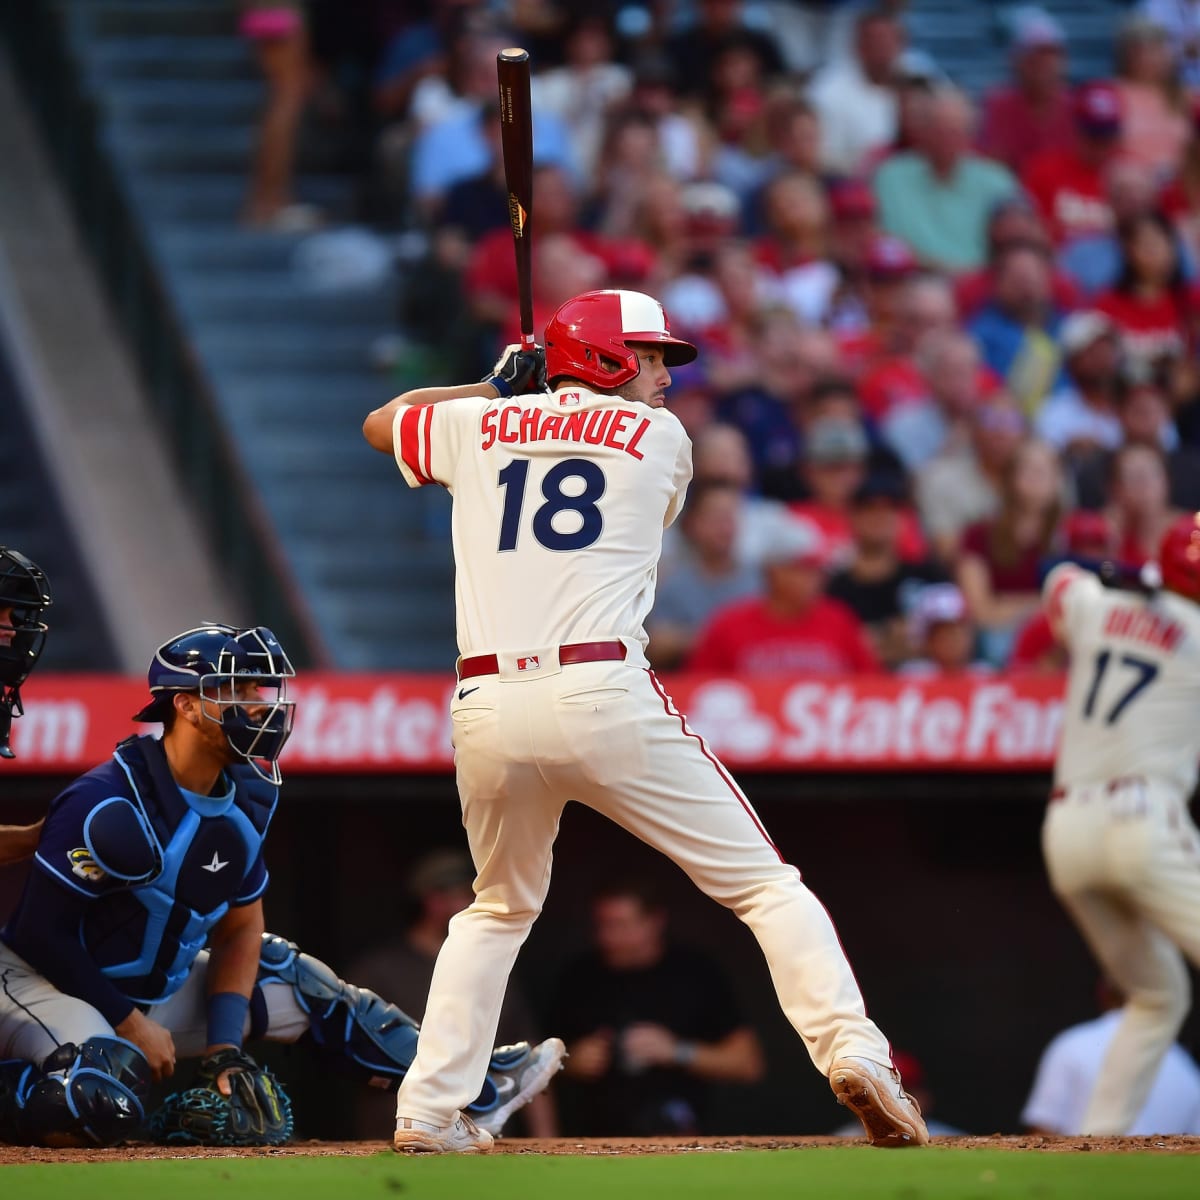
x,y
7,633
650,385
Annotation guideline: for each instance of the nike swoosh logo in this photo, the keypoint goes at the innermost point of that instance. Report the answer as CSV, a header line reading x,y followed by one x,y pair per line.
x,y
463,693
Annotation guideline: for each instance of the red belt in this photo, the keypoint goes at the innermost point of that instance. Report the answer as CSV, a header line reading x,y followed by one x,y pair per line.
x,y
577,652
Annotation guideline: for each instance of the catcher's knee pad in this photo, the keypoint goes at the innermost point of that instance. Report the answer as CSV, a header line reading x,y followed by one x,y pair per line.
x,y
88,1095
372,1035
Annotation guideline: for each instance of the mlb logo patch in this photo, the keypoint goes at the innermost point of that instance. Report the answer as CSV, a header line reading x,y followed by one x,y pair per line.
x,y
530,663
570,400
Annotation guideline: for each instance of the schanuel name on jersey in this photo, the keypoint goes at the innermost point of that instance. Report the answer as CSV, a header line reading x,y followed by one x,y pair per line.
x,y
619,428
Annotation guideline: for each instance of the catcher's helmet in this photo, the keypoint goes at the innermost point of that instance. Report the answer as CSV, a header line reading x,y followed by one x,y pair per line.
x,y
1179,557
25,590
24,595
212,661
589,338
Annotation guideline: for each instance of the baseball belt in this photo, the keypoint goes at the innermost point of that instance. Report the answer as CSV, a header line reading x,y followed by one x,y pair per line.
x,y
576,652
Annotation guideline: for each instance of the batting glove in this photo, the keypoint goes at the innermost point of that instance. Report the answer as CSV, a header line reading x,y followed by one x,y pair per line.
x,y
518,371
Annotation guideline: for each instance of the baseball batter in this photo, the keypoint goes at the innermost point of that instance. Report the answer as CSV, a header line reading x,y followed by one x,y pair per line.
x,y
560,501
1122,852
138,939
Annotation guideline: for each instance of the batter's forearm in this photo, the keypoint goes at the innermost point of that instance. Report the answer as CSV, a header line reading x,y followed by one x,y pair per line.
x,y
377,428
18,842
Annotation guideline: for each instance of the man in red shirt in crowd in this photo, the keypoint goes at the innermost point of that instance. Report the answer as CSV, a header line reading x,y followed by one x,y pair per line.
x,y
794,628
1033,113
1068,184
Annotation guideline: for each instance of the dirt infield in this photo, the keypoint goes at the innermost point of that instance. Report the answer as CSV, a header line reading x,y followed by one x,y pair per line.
x,y
10,1155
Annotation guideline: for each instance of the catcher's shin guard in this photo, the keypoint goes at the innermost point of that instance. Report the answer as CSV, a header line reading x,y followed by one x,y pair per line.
x,y
88,1095
375,1037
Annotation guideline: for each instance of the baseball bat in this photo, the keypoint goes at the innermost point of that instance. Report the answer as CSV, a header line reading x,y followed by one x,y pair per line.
x,y
516,139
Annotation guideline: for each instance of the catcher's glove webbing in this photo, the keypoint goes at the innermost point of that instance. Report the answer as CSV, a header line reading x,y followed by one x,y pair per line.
x,y
257,1112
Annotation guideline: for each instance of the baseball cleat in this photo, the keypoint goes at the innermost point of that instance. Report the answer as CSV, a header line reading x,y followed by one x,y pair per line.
x,y
875,1095
461,1136
519,1081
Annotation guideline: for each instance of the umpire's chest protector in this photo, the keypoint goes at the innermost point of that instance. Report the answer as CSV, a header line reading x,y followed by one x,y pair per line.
x,y
183,864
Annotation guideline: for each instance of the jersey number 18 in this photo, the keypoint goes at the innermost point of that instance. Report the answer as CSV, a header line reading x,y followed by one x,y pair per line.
x,y
513,479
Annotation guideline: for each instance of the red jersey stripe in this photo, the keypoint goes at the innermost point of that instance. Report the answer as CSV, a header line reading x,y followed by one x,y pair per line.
x,y
426,429
409,442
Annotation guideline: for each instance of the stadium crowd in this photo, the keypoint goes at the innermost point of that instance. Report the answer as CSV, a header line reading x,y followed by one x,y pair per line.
x,y
945,339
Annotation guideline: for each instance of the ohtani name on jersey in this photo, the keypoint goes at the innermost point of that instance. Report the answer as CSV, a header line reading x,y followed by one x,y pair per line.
x,y
1143,626
597,427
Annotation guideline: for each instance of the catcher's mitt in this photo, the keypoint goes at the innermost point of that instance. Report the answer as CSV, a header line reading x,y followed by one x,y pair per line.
x,y
257,1112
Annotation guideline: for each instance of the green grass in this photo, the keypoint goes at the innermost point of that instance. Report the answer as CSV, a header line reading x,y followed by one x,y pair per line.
x,y
848,1173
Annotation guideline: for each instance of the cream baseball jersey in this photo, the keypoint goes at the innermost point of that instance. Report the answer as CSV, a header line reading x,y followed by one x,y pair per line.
x,y
560,501
1133,692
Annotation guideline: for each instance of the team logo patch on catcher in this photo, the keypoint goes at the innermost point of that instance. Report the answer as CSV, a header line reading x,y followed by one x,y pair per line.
x,y
84,865
529,663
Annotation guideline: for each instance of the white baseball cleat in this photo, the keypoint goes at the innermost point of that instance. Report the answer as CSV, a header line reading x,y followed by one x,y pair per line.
x,y
461,1136
875,1095
519,1081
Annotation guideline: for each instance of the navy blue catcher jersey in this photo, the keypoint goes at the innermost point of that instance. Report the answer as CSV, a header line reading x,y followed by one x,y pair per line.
x,y
155,865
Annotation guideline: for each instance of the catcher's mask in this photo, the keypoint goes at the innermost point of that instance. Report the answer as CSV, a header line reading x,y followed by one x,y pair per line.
x,y
590,338
24,596
243,673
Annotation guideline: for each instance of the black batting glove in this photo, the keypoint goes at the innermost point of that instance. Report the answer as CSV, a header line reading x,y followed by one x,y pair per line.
x,y
518,371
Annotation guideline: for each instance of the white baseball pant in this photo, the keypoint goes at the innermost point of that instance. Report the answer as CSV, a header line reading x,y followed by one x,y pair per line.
x,y
606,734
1124,859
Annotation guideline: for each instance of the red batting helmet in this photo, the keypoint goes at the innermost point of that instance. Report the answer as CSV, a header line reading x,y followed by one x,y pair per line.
x,y
1179,557
589,338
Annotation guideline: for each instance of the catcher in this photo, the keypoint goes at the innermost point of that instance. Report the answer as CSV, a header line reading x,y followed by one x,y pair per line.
x,y
105,981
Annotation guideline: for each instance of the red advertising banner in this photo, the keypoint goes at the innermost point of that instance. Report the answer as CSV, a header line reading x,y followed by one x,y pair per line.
x,y
399,723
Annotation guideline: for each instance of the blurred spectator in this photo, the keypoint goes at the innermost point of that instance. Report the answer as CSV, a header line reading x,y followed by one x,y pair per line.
x,y
690,227
961,487
924,306
1079,417
792,361
1155,123
855,97
1094,260
999,564
720,454
694,50
938,196
279,33
1151,301
795,245
478,204
1089,536
438,886
794,628
682,136
794,140
885,287
560,268
851,236
1144,414
648,1024
491,274
693,398
588,84
628,166
1180,199
836,456
942,634
1070,1068
738,112
876,584
454,146
1018,327
1012,222
1140,505
1068,184
705,576
1181,20
1033,113
955,382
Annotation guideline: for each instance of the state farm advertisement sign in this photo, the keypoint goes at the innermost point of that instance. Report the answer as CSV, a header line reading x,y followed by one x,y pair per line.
x,y
386,723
